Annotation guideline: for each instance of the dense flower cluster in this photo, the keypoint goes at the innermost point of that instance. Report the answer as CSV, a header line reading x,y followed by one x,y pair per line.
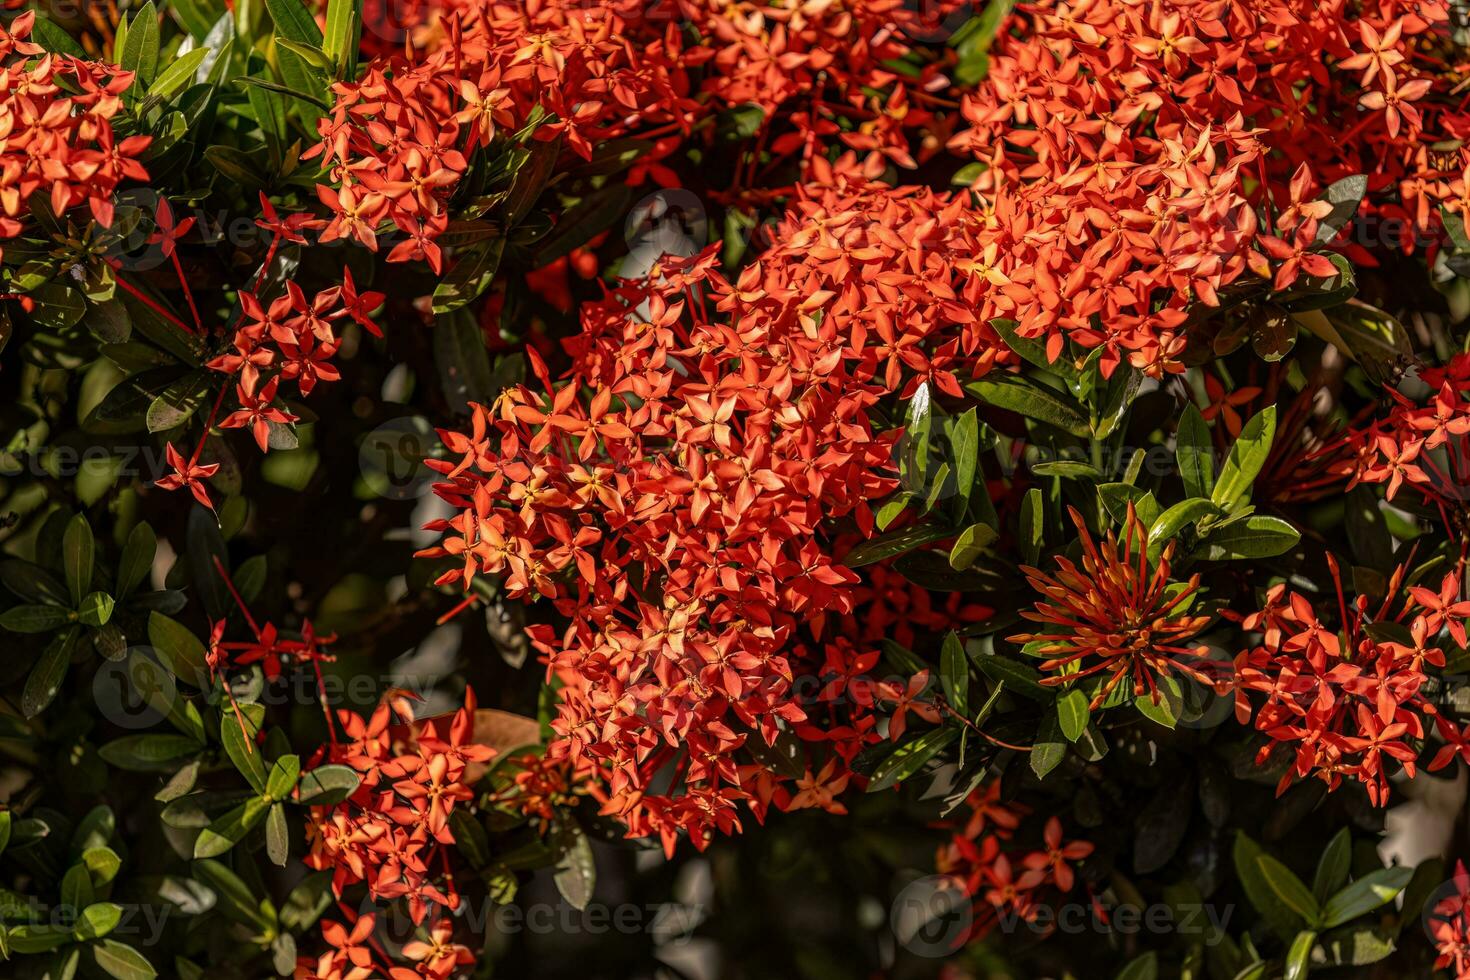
x,y
1118,615
1422,448
388,834
1350,700
399,138
1449,925
999,874
699,470
808,64
1141,159
56,134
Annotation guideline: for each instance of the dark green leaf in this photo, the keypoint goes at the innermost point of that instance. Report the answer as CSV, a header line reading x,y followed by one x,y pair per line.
x,y
1373,890
326,785
910,757
48,673
77,556
1050,747
1030,401
895,543
954,673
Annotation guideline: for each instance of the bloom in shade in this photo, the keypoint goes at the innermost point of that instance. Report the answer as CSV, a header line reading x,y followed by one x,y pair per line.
x,y
1115,615
187,473
1449,925
1057,854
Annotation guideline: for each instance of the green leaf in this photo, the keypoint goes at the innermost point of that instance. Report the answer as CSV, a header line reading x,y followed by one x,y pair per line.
x,y
970,545
179,401
1356,945
236,165
277,836
464,365
1073,712
1050,749
576,868
282,780
1168,524
34,619
341,38
258,85
1246,458
966,443
740,122
1031,533
76,887
95,609
294,22
1170,704
230,829
48,673
593,215
1145,967
137,558
1290,889
326,785
1256,536
97,920
1280,916
470,276
1034,351
121,961
57,41
140,50
1032,402
1117,496
178,649
1333,865
178,75
1370,336
910,757
1018,676
77,556
148,753
240,746
1195,453
1345,196
1375,889
1298,954
893,543
954,672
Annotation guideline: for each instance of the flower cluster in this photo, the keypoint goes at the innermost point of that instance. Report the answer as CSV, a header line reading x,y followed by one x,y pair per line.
x,y
1118,615
1000,874
1449,925
399,138
1347,700
699,470
56,115
388,834
1424,448
1138,160
809,65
